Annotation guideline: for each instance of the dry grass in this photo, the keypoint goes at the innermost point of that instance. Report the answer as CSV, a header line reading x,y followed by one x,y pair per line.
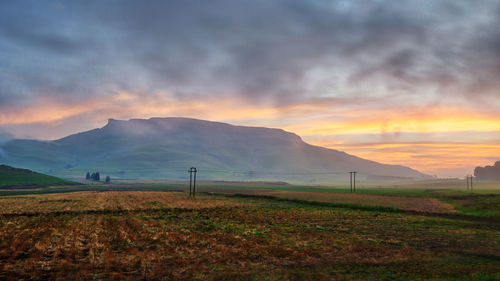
x,y
420,204
219,238
108,200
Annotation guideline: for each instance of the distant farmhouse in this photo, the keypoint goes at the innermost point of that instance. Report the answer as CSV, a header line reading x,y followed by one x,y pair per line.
x,y
491,173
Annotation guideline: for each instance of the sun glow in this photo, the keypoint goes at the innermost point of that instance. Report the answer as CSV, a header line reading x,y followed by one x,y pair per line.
x,y
324,122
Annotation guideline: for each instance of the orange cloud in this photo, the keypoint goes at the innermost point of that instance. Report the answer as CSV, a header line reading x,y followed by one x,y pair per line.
x,y
408,119
44,110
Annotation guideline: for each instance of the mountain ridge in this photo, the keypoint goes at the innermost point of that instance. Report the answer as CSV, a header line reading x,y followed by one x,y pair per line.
x,y
155,147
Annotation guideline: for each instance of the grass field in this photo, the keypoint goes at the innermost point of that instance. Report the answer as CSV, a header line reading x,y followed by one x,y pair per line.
x,y
252,234
13,177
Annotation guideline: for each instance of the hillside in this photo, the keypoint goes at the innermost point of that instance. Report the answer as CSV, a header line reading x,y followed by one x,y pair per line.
x,y
167,147
15,177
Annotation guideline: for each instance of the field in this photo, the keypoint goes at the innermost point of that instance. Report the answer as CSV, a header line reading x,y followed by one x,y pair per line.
x,y
249,233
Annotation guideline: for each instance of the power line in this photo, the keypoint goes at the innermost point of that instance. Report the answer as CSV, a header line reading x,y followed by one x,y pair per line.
x,y
270,172
212,170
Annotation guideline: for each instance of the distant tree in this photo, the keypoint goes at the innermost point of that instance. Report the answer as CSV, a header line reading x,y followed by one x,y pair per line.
x,y
95,176
488,172
108,179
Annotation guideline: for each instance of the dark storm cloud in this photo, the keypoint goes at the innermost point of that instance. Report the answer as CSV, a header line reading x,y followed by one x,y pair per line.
x,y
264,51
458,54
43,51
483,62
261,49
43,40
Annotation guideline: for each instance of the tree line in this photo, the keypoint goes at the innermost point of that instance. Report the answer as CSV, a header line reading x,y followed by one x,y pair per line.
x,y
96,176
488,172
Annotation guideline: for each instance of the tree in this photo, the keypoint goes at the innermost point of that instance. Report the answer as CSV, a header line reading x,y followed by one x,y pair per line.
x,y
488,172
87,177
97,176
108,179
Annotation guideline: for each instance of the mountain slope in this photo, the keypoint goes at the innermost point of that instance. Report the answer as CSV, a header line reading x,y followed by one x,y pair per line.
x,y
12,177
167,147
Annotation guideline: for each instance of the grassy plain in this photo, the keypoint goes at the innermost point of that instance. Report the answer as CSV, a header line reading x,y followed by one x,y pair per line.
x,y
248,234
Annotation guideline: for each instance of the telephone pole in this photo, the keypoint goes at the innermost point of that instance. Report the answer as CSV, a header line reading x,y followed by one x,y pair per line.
x,y
469,182
192,181
353,181
350,178
354,185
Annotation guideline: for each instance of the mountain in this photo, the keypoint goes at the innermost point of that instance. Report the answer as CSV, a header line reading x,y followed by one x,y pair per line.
x,y
167,147
14,177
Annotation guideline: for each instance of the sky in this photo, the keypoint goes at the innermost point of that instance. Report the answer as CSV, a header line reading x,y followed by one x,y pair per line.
x,y
413,82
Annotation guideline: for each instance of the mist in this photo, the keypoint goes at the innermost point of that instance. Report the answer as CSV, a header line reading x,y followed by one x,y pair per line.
x,y
4,138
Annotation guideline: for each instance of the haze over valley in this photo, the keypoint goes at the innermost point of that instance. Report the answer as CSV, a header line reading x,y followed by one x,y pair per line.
x,y
164,148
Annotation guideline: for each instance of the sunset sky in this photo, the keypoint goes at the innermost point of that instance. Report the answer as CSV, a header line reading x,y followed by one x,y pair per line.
x,y
415,83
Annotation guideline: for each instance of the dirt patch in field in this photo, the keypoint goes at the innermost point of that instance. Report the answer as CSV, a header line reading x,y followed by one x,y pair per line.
x,y
109,200
431,205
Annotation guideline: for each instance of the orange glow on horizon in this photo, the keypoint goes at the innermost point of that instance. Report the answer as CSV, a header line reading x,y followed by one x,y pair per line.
x,y
320,117
426,157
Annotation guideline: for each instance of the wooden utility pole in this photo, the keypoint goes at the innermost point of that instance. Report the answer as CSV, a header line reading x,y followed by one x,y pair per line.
x,y
469,182
350,178
192,181
354,185
353,181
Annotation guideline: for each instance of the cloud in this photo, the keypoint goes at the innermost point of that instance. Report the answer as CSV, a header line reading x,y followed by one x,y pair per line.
x,y
317,67
265,51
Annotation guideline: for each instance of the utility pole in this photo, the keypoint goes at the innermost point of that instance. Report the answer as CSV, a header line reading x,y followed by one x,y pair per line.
x,y
350,178
353,181
192,181
354,185
469,182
